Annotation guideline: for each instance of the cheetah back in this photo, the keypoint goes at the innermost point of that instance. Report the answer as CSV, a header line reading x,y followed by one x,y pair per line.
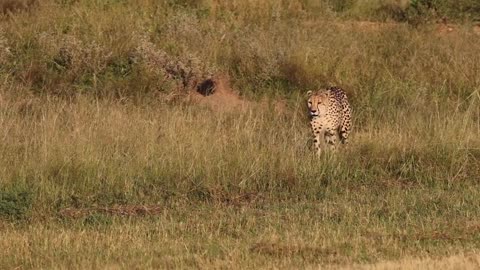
x,y
346,115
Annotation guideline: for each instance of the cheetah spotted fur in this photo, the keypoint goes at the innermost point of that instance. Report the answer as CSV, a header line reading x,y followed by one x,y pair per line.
x,y
330,117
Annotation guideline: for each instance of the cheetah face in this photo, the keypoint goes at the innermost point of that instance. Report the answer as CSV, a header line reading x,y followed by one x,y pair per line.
x,y
317,104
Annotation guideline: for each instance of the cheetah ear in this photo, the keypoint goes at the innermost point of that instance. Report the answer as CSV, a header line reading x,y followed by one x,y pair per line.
x,y
309,93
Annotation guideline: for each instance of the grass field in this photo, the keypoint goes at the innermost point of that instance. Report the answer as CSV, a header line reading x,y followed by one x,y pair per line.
x,y
107,160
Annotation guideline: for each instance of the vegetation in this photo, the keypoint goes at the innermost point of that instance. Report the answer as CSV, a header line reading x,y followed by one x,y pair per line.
x,y
106,162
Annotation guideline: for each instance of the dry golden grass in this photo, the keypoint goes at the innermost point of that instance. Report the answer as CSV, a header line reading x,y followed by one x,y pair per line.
x,y
105,162
234,189
463,261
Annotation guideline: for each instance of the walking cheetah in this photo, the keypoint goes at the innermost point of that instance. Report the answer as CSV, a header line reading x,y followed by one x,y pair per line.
x,y
330,116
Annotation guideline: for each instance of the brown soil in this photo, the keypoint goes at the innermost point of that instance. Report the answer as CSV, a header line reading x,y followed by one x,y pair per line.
x,y
476,29
445,28
223,98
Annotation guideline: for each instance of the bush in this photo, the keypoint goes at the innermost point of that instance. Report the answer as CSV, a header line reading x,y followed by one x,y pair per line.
x,y
15,203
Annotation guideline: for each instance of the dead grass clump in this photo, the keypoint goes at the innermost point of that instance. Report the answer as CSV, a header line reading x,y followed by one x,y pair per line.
x,y
187,71
236,199
184,26
68,52
67,62
59,64
257,55
14,6
119,210
306,252
4,49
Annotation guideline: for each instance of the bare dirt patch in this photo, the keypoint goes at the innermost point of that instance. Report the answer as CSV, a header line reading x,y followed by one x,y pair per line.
x,y
217,94
445,28
476,29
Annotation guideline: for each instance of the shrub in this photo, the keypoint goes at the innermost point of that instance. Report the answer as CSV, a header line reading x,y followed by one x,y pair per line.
x,y
15,203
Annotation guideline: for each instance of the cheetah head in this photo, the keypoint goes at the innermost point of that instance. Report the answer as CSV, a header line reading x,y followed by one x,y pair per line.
x,y
317,103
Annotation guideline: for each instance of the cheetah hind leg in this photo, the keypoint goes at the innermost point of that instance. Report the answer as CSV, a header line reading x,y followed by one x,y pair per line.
x,y
344,130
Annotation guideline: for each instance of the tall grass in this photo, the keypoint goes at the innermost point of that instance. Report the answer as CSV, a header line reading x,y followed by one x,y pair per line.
x,y
103,149
247,181
77,48
88,130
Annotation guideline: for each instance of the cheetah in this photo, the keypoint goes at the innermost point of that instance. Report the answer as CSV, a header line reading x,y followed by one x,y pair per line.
x,y
330,116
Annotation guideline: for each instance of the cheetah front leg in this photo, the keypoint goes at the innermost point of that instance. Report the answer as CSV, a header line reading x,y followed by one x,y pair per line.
x,y
317,131
344,135
317,143
331,139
